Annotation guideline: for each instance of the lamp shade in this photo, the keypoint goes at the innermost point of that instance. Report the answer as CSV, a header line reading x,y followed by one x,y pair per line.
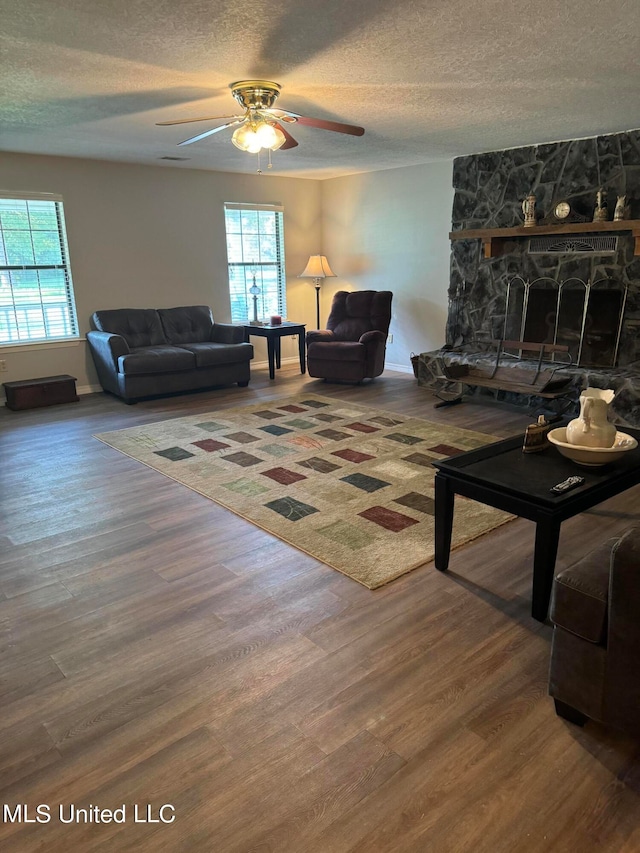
x,y
245,138
317,267
280,140
269,136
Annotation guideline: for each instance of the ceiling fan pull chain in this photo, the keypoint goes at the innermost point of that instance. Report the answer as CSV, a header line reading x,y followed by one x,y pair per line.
x,y
270,165
259,169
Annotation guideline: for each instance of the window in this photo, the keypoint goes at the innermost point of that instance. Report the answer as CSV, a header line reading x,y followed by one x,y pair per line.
x,y
255,250
36,293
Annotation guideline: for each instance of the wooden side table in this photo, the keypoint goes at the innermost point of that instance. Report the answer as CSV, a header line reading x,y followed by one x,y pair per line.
x,y
273,334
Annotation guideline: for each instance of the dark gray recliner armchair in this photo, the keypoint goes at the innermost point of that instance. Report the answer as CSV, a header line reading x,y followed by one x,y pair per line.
x,y
595,653
353,345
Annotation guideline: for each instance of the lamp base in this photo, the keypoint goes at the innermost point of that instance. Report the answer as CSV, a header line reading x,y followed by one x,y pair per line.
x,y
316,284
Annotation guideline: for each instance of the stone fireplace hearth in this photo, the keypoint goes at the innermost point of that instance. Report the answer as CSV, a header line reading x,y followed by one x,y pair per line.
x,y
598,315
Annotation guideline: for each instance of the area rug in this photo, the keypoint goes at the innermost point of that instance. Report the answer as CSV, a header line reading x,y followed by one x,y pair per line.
x,y
350,485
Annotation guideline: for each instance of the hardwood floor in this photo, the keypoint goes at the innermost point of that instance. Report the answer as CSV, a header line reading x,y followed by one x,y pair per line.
x,y
156,649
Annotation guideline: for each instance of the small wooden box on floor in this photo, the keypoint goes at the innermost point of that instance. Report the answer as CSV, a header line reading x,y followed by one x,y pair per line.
x,y
46,391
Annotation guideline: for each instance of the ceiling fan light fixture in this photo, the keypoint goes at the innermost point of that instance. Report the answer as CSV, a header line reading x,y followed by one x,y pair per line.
x,y
239,136
254,136
280,139
261,127
245,138
254,146
266,134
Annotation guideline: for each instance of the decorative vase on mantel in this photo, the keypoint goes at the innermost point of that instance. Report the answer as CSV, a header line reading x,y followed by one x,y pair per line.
x,y
621,210
601,213
592,427
529,211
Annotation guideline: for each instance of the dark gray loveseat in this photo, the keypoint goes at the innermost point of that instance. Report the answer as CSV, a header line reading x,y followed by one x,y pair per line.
x,y
141,352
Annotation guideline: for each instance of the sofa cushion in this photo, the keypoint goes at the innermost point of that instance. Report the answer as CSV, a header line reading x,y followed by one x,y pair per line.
x,y
140,327
581,595
208,354
162,359
337,351
187,325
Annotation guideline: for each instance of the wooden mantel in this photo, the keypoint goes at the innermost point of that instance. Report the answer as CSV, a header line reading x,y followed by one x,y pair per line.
x,y
493,239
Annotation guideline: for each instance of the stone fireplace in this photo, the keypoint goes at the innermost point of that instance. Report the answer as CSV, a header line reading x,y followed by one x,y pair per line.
x,y
585,292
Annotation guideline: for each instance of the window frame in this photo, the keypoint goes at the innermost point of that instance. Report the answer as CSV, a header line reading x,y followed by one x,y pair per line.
x,y
269,302
66,304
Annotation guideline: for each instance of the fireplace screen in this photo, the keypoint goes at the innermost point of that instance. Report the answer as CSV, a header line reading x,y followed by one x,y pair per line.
x,y
585,316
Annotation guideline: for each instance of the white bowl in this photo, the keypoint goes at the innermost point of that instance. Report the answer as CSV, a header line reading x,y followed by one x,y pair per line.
x,y
591,455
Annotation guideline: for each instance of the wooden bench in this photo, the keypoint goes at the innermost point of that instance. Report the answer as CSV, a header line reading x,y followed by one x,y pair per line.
x,y
543,381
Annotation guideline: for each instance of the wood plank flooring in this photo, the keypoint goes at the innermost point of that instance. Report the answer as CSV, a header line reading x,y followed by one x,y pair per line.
x,y
156,649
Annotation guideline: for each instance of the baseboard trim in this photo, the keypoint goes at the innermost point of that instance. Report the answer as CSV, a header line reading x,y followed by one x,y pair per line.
x,y
293,359
401,368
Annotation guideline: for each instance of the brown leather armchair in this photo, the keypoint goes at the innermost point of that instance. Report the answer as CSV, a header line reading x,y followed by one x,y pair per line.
x,y
352,347
595,653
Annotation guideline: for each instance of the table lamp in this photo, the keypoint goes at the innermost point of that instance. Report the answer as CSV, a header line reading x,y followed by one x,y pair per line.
x,y
254,290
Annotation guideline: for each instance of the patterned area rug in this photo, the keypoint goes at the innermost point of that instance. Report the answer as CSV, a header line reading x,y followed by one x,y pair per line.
x,y
350,485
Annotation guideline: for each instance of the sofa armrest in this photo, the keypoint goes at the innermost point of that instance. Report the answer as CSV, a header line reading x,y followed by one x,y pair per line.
x,y
624,579
227,333
622,690
107,348
321,336
580,597
374,343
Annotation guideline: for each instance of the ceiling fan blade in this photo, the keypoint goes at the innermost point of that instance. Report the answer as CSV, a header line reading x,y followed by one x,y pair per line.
x,y
290,141
188,120
211,132
336,126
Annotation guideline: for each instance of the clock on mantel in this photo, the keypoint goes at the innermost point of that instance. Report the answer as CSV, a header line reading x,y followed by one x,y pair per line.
x,y
563,212
494,239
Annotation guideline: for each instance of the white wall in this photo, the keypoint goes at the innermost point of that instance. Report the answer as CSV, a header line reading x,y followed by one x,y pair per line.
x,y
154,237
389,230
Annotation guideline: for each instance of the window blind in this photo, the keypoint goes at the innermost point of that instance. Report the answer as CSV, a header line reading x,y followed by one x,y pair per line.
x,y
36,289
255,254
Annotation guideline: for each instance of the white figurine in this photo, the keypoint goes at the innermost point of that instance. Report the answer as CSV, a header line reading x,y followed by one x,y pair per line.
x,y
620,211
529,210
601,214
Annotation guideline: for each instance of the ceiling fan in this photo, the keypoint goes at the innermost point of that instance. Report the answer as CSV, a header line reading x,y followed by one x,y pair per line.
x,y
261,126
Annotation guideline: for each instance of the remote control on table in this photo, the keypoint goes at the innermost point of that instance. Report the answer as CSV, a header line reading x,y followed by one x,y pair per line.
x,y
566,485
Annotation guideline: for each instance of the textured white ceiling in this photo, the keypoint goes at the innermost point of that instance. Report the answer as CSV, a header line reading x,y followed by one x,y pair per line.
x,y
427,80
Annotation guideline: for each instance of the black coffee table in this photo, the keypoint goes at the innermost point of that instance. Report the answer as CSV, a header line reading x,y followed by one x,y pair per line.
x,y
502,476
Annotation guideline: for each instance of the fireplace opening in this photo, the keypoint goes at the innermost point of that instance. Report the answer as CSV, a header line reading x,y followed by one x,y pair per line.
x,y
585,317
